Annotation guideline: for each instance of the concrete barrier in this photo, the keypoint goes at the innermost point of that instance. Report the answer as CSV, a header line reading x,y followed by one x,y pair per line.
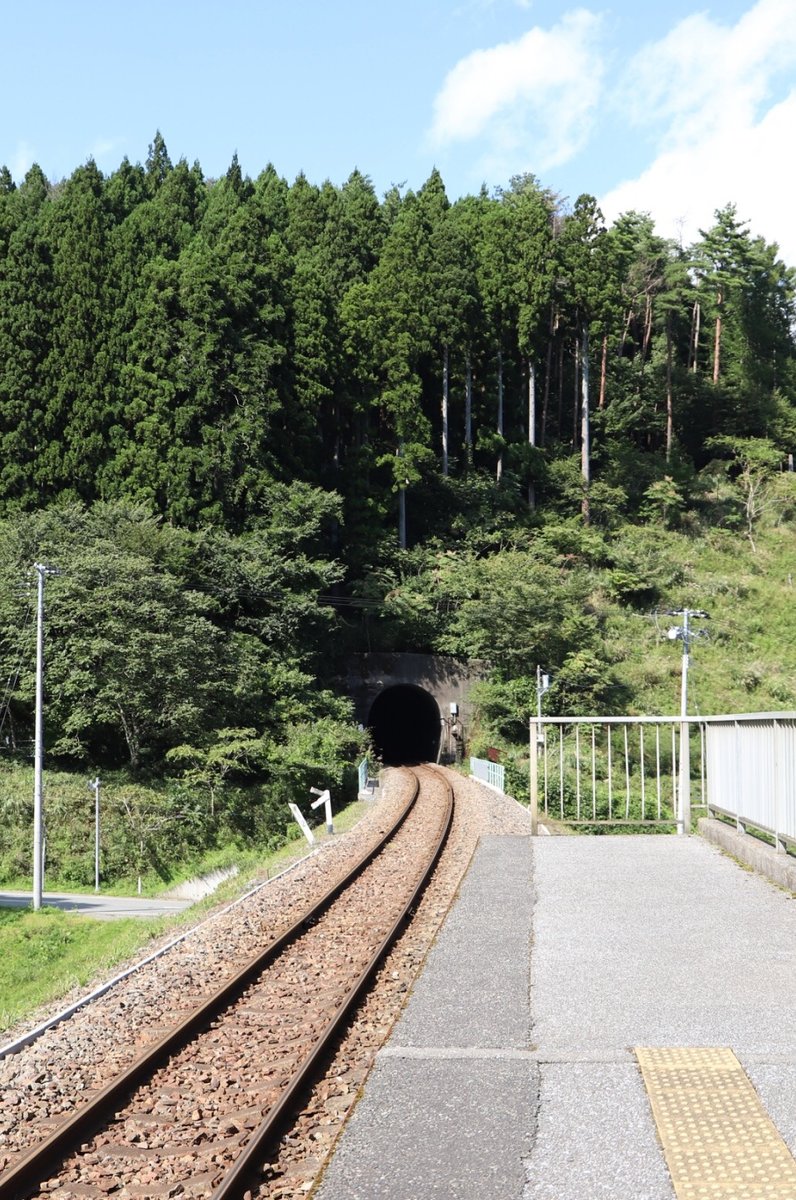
x,y
205,885
751,851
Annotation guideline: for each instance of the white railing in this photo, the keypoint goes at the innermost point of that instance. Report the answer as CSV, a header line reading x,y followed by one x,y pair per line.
x,y
617,770
491,773
751,771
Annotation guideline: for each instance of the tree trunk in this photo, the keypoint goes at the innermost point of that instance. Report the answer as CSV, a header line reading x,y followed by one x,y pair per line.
x,y
647,332
500,414
468,410
445,397
576,395
603,371
585,460
626,330
131,736
531,422
402,518
546,402
669,395
695,316
561,389
717,340
401,507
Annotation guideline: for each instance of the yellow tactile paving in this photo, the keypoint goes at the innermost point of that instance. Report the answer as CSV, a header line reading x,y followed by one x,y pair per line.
x,y
719,1142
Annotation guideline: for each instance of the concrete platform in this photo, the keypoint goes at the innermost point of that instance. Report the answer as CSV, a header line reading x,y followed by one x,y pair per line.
x,y
102,908
448,1110
512,1074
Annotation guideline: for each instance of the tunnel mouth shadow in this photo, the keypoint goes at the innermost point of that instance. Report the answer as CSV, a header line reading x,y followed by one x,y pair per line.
x,y
405,725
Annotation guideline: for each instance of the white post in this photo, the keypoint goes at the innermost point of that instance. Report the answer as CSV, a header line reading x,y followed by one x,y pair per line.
x,y
38,746
536,746
684,797
325,799
300,820
95,784
533,767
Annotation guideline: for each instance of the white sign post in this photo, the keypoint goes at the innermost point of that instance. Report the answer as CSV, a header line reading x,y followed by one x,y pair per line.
x,y
298,817
324,798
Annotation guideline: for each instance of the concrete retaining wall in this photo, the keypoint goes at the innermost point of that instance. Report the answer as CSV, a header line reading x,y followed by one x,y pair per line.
x,y
446,679
752,852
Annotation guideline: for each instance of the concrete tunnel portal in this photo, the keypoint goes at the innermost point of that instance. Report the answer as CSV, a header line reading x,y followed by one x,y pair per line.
x,y
405,724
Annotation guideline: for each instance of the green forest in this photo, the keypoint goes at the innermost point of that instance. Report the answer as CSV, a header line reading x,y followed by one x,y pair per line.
x,y
257,426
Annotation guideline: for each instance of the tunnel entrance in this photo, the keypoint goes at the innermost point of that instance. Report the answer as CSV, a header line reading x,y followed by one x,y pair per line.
x,y
405,724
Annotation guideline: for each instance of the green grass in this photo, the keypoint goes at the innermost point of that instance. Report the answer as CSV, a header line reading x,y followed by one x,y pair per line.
x,y
45,954
748,661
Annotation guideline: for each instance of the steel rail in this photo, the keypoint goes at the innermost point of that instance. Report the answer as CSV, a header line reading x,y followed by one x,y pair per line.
x,y
17,1180
236,1181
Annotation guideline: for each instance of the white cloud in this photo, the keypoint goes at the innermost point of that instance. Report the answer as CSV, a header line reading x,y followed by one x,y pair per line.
x,y
102,148
708,92
536,95
21,162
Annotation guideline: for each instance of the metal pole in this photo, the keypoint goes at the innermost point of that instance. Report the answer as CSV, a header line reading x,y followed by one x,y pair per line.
x,y
534,776
96,787
537,747
684,798
38,746
683,776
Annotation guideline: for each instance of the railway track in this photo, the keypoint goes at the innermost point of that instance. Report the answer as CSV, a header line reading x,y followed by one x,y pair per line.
x,y
200,1110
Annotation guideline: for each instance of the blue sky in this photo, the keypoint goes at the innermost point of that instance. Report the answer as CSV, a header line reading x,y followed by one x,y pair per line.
x,y
673,108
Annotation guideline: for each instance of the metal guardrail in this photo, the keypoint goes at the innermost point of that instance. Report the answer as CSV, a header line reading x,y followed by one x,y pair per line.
x,y
491,773
751,771
626,770
617,770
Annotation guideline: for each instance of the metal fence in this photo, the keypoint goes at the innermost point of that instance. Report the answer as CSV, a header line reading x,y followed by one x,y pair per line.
x,y
751,772
491,773
618,770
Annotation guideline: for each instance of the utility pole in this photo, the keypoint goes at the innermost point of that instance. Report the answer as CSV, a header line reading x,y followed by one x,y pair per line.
x,y
95,786
535,748
38,741
685,634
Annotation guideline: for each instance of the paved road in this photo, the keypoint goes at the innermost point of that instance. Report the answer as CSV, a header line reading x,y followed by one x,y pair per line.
x,y
512,1073
103,908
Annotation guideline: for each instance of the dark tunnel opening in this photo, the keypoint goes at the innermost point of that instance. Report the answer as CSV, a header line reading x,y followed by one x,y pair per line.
x,y
405,724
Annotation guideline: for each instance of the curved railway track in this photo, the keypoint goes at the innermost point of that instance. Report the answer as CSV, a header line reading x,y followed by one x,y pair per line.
x,y
200,1110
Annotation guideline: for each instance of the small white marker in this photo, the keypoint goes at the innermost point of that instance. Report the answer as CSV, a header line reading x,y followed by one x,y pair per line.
x,y
326,799
298,817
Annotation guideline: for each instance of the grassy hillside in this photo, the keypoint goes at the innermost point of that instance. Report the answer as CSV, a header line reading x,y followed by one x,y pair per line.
x,y
748,660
